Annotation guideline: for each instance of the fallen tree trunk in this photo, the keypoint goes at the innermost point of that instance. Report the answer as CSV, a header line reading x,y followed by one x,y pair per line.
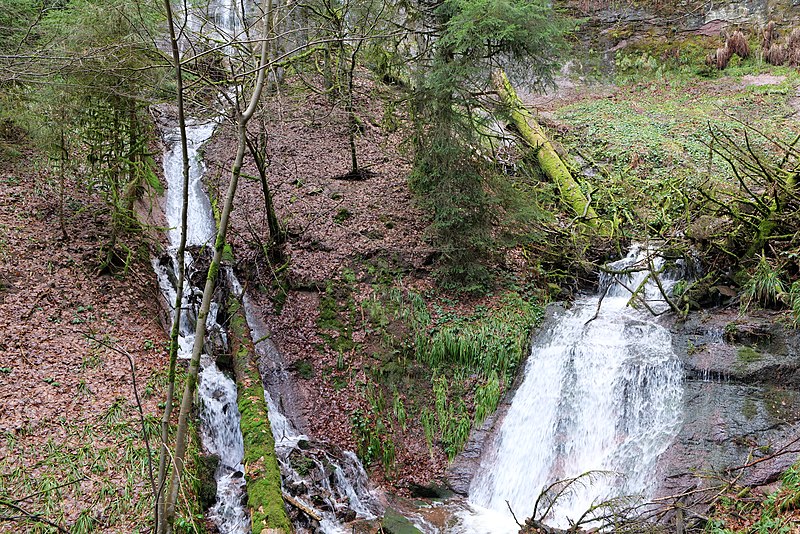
x,y
302,507
549,161
263,475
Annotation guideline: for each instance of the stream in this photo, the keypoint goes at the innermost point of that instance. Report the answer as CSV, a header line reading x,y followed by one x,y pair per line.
x,y
602,393
219,413
331,482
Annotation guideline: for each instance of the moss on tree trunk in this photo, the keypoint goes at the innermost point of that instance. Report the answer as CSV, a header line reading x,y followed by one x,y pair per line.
x,y
549,161
264,497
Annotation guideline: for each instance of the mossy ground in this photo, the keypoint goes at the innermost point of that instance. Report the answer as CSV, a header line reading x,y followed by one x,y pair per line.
x,y
648,142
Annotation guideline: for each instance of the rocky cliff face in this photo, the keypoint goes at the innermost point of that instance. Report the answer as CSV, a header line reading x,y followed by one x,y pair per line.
x,y
741,403
684,15
614,24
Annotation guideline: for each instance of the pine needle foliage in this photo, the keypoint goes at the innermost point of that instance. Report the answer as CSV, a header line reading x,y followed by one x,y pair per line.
x,y
451,176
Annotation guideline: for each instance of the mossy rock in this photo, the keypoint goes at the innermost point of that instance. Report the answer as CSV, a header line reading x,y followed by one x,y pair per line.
x,y
394,523
264,495
747,355
206,467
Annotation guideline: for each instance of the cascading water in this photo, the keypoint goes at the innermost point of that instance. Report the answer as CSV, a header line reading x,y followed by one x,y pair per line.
x,y
333,484
219,413
336,487
601,392
342,488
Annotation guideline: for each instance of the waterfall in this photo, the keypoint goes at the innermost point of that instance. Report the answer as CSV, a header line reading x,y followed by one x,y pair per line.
x,y
219,413
601,392
221,435
220,430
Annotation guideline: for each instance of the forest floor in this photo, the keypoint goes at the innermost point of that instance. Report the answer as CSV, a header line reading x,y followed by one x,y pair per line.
x,y
71,451
638,141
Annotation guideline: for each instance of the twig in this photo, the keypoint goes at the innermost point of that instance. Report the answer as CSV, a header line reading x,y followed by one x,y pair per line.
x,y
29,515
23,499
599,304
138,403
513,514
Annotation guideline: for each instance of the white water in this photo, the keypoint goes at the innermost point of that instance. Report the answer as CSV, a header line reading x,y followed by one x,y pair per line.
x,y
219,414
346,484
599,394
201,228
222,436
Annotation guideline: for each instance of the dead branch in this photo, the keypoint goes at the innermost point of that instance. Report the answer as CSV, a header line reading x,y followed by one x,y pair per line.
x,y
26,515
145,437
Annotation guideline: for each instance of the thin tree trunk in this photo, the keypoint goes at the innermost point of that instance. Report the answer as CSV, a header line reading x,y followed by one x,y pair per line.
x,y
208,291
277,236
351,116
63,154
180,260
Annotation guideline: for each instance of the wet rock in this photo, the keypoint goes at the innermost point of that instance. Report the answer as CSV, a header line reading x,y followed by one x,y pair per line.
x,y
346,515
207,483
198,267
394,523
165,115
727,426
690,15
429,491
741,402
460,473
751,350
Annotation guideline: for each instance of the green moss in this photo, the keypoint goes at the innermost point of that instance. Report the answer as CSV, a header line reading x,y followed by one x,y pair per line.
x,y
394,523
328,311
304,368
302,464
227,253
205,486
342,215
336,313
264,497
213,270
747,355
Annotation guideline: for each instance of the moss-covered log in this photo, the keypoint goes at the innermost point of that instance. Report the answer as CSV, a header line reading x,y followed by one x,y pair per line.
x,y
264,497
549,161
